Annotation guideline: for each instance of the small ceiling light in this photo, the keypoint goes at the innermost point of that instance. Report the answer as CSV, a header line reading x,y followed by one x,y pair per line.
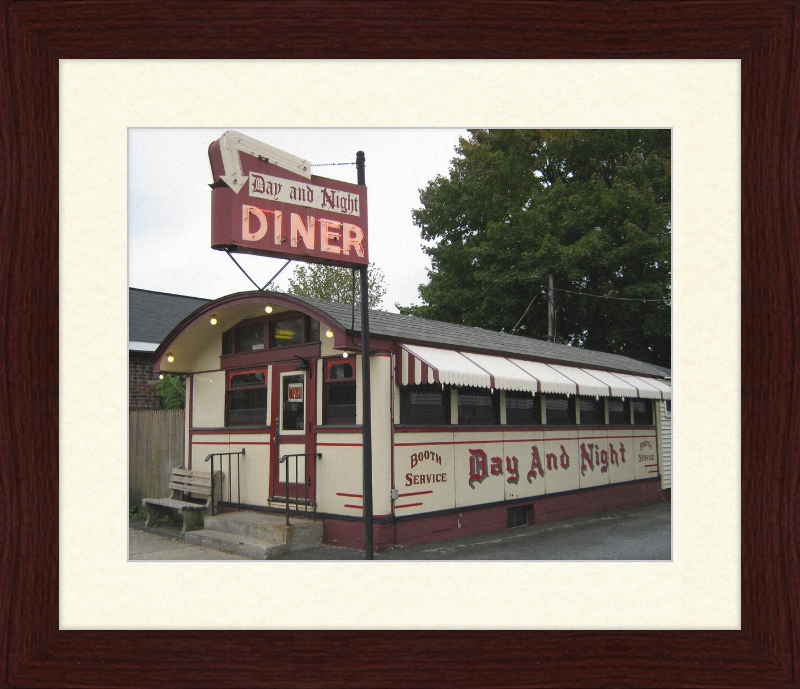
x,y
161,376
268,308
170,358
345,355
213,320
329,333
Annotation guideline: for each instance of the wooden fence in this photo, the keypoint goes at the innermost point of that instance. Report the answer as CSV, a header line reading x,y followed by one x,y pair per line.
x,y
156,446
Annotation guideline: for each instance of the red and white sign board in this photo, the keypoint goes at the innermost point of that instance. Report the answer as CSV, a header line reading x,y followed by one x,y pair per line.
x,y
265,201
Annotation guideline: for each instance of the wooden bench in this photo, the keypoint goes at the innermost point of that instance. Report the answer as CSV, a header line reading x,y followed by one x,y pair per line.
x,y
192,513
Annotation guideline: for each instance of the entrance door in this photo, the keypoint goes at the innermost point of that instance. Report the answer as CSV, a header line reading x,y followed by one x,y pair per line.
x,y
292,421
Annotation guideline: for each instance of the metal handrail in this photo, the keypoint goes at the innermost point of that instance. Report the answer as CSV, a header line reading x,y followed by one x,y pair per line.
x,y
307,500
238,473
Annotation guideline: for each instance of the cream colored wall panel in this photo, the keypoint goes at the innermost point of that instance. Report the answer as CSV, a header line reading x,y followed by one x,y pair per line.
x,y
339,478
478,467
424,473
560,461
187,438
396,403
521,478
253,468
622,466
204,444
319,373
645,453
359,390
208,400
326,343
594,458
381,403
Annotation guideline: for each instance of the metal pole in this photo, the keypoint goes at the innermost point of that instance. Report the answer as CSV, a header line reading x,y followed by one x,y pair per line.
x,y
367,411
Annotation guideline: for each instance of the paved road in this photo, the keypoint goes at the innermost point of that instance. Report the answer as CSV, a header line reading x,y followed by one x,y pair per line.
x,y
637,533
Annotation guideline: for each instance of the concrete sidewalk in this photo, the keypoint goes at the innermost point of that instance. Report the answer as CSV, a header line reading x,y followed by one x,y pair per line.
x,y
636,533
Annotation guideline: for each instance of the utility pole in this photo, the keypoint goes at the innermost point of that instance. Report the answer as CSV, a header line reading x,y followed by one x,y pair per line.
x,y
367,413
551,310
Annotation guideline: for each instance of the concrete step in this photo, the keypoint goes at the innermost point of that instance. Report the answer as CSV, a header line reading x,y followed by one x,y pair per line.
x,y
254,548
264,535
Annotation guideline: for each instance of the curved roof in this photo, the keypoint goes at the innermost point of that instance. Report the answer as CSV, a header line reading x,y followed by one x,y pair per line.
x,y
412,329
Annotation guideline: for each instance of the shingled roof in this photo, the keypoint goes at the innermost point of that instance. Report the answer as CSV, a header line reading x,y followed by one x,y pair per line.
x,y
153,315
422,331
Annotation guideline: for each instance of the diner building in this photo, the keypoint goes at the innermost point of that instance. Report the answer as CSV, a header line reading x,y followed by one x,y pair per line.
x,y
473,431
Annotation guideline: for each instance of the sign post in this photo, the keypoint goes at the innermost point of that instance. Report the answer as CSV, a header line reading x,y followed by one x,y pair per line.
x,y
266,202
367,420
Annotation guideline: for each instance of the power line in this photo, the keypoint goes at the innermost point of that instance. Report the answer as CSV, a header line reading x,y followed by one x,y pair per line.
x,y
601,296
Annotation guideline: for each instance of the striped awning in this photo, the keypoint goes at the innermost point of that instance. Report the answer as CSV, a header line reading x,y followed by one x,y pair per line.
x,y
419,365
617,386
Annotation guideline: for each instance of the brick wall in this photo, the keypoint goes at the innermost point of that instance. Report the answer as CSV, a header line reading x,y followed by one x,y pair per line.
x,y
142,382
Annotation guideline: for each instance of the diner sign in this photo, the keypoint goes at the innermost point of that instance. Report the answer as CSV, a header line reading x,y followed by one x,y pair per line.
x,y
265,201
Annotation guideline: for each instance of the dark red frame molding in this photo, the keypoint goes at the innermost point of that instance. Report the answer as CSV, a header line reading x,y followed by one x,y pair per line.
x,y
763,35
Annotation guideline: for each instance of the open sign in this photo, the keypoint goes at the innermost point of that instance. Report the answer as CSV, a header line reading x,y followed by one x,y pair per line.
x,y
294,392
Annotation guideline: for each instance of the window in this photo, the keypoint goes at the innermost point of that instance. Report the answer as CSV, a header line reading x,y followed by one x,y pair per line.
x,y
286,333
642,412
250,337
523,409
246,398
592,412
560,410
339,396
478,407
425,405
293,416
619,413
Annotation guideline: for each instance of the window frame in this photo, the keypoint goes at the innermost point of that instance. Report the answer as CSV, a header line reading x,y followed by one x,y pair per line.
x,y
494,395
570,407
445,406
648,405
592,398
231,343
537,407
327,382
229,389
626,409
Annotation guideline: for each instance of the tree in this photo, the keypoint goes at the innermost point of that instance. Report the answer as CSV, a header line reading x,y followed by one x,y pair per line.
x,y
333,283
590,207
172,391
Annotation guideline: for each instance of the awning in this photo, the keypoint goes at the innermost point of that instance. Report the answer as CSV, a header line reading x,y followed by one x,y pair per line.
x,y
617,386
586,382
661,385
418,365
549,379
645,387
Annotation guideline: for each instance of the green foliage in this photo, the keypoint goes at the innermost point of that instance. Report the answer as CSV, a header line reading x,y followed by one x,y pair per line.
x,y
333,283
590,207
172,391
137,513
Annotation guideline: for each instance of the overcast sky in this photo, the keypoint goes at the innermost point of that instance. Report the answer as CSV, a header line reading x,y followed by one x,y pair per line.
x,y
169,204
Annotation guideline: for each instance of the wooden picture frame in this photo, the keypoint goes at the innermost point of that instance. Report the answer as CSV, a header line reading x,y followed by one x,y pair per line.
x,y
764,36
